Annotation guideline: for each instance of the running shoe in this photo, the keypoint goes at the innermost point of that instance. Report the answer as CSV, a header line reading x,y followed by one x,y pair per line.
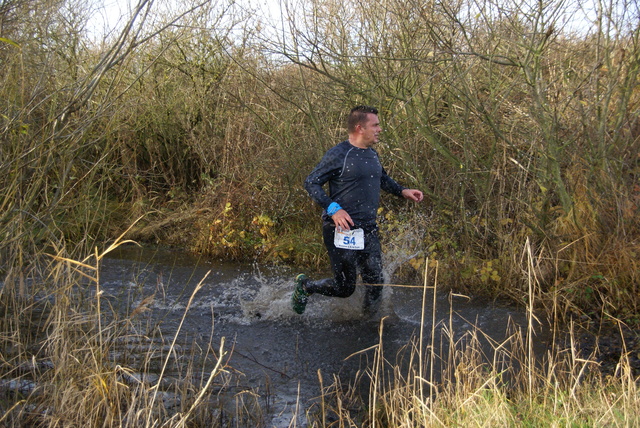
x,y
300,296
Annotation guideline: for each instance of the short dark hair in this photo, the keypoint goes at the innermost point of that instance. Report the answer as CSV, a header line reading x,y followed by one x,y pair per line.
x,y
358,115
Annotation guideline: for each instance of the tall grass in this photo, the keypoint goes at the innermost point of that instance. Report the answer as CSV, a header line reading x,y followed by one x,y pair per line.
x,y
481,382
70,358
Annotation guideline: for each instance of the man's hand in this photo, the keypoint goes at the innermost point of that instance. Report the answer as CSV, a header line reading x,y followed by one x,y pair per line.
x,y
413,194
342,219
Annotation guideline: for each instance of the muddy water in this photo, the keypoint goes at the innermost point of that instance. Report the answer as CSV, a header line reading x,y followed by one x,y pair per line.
x,y
277,353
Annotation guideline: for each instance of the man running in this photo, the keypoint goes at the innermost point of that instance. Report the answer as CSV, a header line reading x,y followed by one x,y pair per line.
x,y
355,176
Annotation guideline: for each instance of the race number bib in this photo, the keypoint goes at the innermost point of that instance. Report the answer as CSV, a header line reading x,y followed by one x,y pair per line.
x,y
349,239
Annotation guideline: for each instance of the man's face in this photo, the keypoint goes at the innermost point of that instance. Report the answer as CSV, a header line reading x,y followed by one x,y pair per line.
x,y
370,130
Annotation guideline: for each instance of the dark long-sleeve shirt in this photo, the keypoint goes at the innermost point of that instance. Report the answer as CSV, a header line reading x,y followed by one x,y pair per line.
x,y
355,177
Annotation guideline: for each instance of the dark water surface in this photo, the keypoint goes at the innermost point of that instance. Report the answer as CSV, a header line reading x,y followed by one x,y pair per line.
x,y
274,352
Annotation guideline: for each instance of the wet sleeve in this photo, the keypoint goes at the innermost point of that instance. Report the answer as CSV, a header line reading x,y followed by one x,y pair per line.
x,y
389,185
329,167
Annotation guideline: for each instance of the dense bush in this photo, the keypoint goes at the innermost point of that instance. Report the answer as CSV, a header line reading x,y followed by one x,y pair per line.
x,y
523,134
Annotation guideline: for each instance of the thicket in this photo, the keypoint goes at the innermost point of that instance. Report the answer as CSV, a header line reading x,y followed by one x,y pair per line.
x,y
204,123
196,128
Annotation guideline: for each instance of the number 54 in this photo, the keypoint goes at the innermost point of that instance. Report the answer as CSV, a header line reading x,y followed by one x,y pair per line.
x,y
349,241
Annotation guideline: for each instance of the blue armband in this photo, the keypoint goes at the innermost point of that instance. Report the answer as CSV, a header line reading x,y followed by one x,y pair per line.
x,y
333,208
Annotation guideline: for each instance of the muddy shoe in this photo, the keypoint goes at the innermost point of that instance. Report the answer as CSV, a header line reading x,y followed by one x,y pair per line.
x,y
300,296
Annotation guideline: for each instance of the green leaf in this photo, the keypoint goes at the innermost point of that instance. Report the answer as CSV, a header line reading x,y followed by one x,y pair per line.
x,y
11,42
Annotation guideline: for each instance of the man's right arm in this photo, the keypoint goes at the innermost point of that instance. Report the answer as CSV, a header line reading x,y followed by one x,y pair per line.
x,y
328,167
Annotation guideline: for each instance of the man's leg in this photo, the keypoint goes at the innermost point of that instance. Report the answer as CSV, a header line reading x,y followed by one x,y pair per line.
x,y
371,265
343,283
343,265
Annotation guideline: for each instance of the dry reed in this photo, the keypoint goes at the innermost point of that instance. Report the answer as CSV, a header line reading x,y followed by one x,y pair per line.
x,y
504,385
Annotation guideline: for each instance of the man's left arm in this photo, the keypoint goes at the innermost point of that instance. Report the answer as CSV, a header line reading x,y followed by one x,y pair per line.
x,y
389,185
